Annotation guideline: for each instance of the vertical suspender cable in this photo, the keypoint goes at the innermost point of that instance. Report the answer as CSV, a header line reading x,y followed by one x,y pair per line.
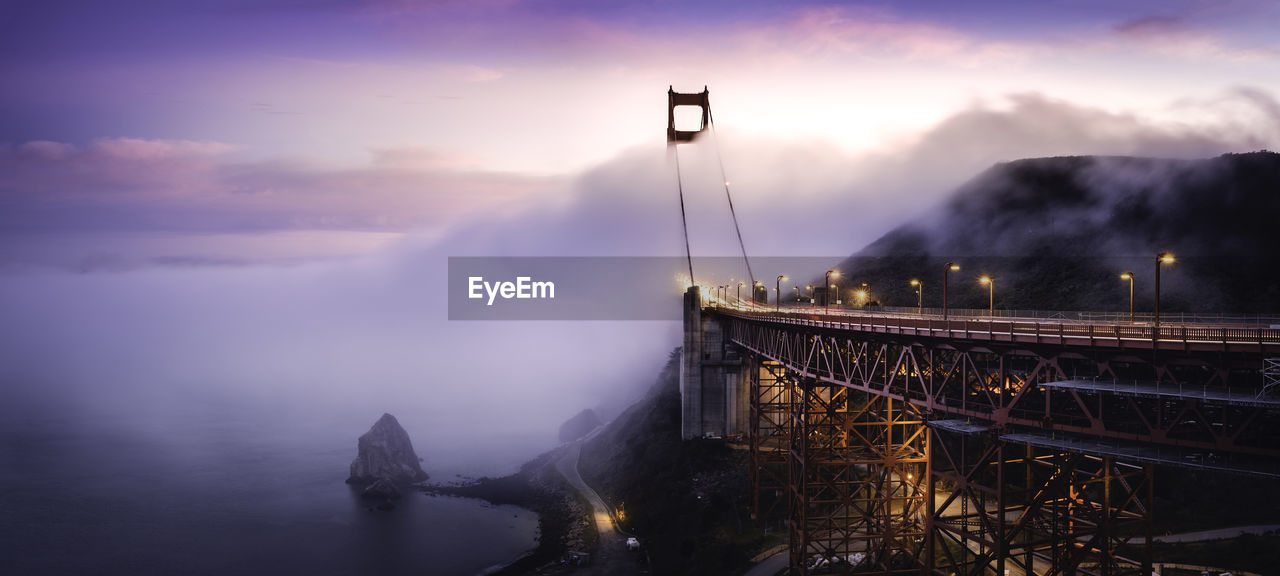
x,y
684,220
725,178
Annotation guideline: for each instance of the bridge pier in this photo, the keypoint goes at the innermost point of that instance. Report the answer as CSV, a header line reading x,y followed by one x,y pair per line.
x,y
714,386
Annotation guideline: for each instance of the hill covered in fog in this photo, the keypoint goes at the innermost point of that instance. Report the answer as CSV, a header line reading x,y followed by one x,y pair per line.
x,y
1055,233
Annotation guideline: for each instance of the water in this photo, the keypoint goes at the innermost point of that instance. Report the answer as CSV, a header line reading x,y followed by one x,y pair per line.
x,y
220,489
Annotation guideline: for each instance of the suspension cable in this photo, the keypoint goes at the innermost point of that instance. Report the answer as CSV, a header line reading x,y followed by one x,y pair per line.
x,y
725,178
684,220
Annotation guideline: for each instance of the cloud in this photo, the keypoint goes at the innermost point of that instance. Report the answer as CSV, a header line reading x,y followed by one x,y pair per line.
x,y
793,197
1188,35
132,184
1149,26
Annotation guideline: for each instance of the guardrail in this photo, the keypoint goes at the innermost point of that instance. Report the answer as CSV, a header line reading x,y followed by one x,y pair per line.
x,y
1033,330
1139,318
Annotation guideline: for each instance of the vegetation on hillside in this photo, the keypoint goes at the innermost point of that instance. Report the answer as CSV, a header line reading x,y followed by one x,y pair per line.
x,y
1056,233
688,501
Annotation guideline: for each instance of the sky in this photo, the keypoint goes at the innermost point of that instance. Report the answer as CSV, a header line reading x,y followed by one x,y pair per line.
x,y
281,180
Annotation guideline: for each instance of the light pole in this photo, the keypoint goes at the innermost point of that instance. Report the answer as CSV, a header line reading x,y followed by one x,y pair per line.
x,y
796,289
754,289
826,281
738,296
777,287
809,287
950,267
1163,258
991,294
919,295
1129,276
866,294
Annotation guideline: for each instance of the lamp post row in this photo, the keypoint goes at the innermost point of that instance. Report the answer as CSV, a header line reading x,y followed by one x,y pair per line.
x,y
1162,258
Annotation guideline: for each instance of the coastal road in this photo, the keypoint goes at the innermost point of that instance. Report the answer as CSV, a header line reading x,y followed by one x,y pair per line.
x,y
770,566
611,556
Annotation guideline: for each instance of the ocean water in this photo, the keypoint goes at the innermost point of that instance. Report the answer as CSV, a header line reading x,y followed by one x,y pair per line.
x,y
223,489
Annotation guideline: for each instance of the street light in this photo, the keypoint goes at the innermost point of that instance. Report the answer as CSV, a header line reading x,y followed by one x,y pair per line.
x,y
826,281
1129,276
777,287
950,267
738,296
809,287
920,295
755,287
866,294
991,294
1163,258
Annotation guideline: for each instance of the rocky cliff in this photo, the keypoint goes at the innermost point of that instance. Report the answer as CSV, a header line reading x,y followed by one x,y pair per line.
x,y
385,453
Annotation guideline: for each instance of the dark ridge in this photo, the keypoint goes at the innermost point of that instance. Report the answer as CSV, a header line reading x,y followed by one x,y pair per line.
x,y
1057,232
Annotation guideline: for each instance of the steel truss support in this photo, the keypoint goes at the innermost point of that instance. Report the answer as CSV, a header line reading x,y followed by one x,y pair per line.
x,y
856,464
1005,385
768,438
1002,508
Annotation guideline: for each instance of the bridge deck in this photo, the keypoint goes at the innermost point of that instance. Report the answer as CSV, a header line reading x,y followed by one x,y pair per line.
x,y
1172,336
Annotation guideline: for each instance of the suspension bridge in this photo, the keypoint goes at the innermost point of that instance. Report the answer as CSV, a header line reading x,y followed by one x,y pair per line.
x,y
913,441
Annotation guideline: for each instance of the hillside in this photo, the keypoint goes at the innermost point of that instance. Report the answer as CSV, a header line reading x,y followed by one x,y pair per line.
x,y
1055,233
688,501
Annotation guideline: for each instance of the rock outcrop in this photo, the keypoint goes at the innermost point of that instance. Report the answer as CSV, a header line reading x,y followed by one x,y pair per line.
x,y
381,488
385,453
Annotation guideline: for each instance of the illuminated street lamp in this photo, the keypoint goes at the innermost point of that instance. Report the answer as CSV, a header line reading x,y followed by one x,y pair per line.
x,y
919,295
738,296
946,271
1129,276
756,287
826,281
1163,258
991,294
796,289
777,287
809,287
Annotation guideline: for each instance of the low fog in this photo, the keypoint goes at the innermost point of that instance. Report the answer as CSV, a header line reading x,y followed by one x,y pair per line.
x,y
316,297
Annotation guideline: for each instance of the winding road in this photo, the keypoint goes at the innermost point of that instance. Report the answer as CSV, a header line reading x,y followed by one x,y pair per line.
x,y
611,556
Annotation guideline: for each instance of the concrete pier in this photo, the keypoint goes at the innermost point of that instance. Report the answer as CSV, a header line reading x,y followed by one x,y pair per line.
x,y
714,384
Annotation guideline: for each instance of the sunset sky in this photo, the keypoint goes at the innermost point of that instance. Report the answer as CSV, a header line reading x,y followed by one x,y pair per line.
x,y
239,129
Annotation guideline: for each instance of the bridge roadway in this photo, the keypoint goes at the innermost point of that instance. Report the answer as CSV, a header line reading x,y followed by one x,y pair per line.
x,y
1222,336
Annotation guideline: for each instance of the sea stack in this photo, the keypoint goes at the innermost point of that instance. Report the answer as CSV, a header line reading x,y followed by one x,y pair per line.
x,y
385,453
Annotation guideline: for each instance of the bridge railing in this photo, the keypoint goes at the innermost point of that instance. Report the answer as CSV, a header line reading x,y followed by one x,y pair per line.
x,y
1022,329
1139,318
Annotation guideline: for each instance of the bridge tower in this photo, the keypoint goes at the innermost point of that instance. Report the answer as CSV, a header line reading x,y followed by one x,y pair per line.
x,y
714,387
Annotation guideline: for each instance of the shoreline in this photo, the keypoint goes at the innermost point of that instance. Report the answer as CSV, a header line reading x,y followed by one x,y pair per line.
x,y
536,487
